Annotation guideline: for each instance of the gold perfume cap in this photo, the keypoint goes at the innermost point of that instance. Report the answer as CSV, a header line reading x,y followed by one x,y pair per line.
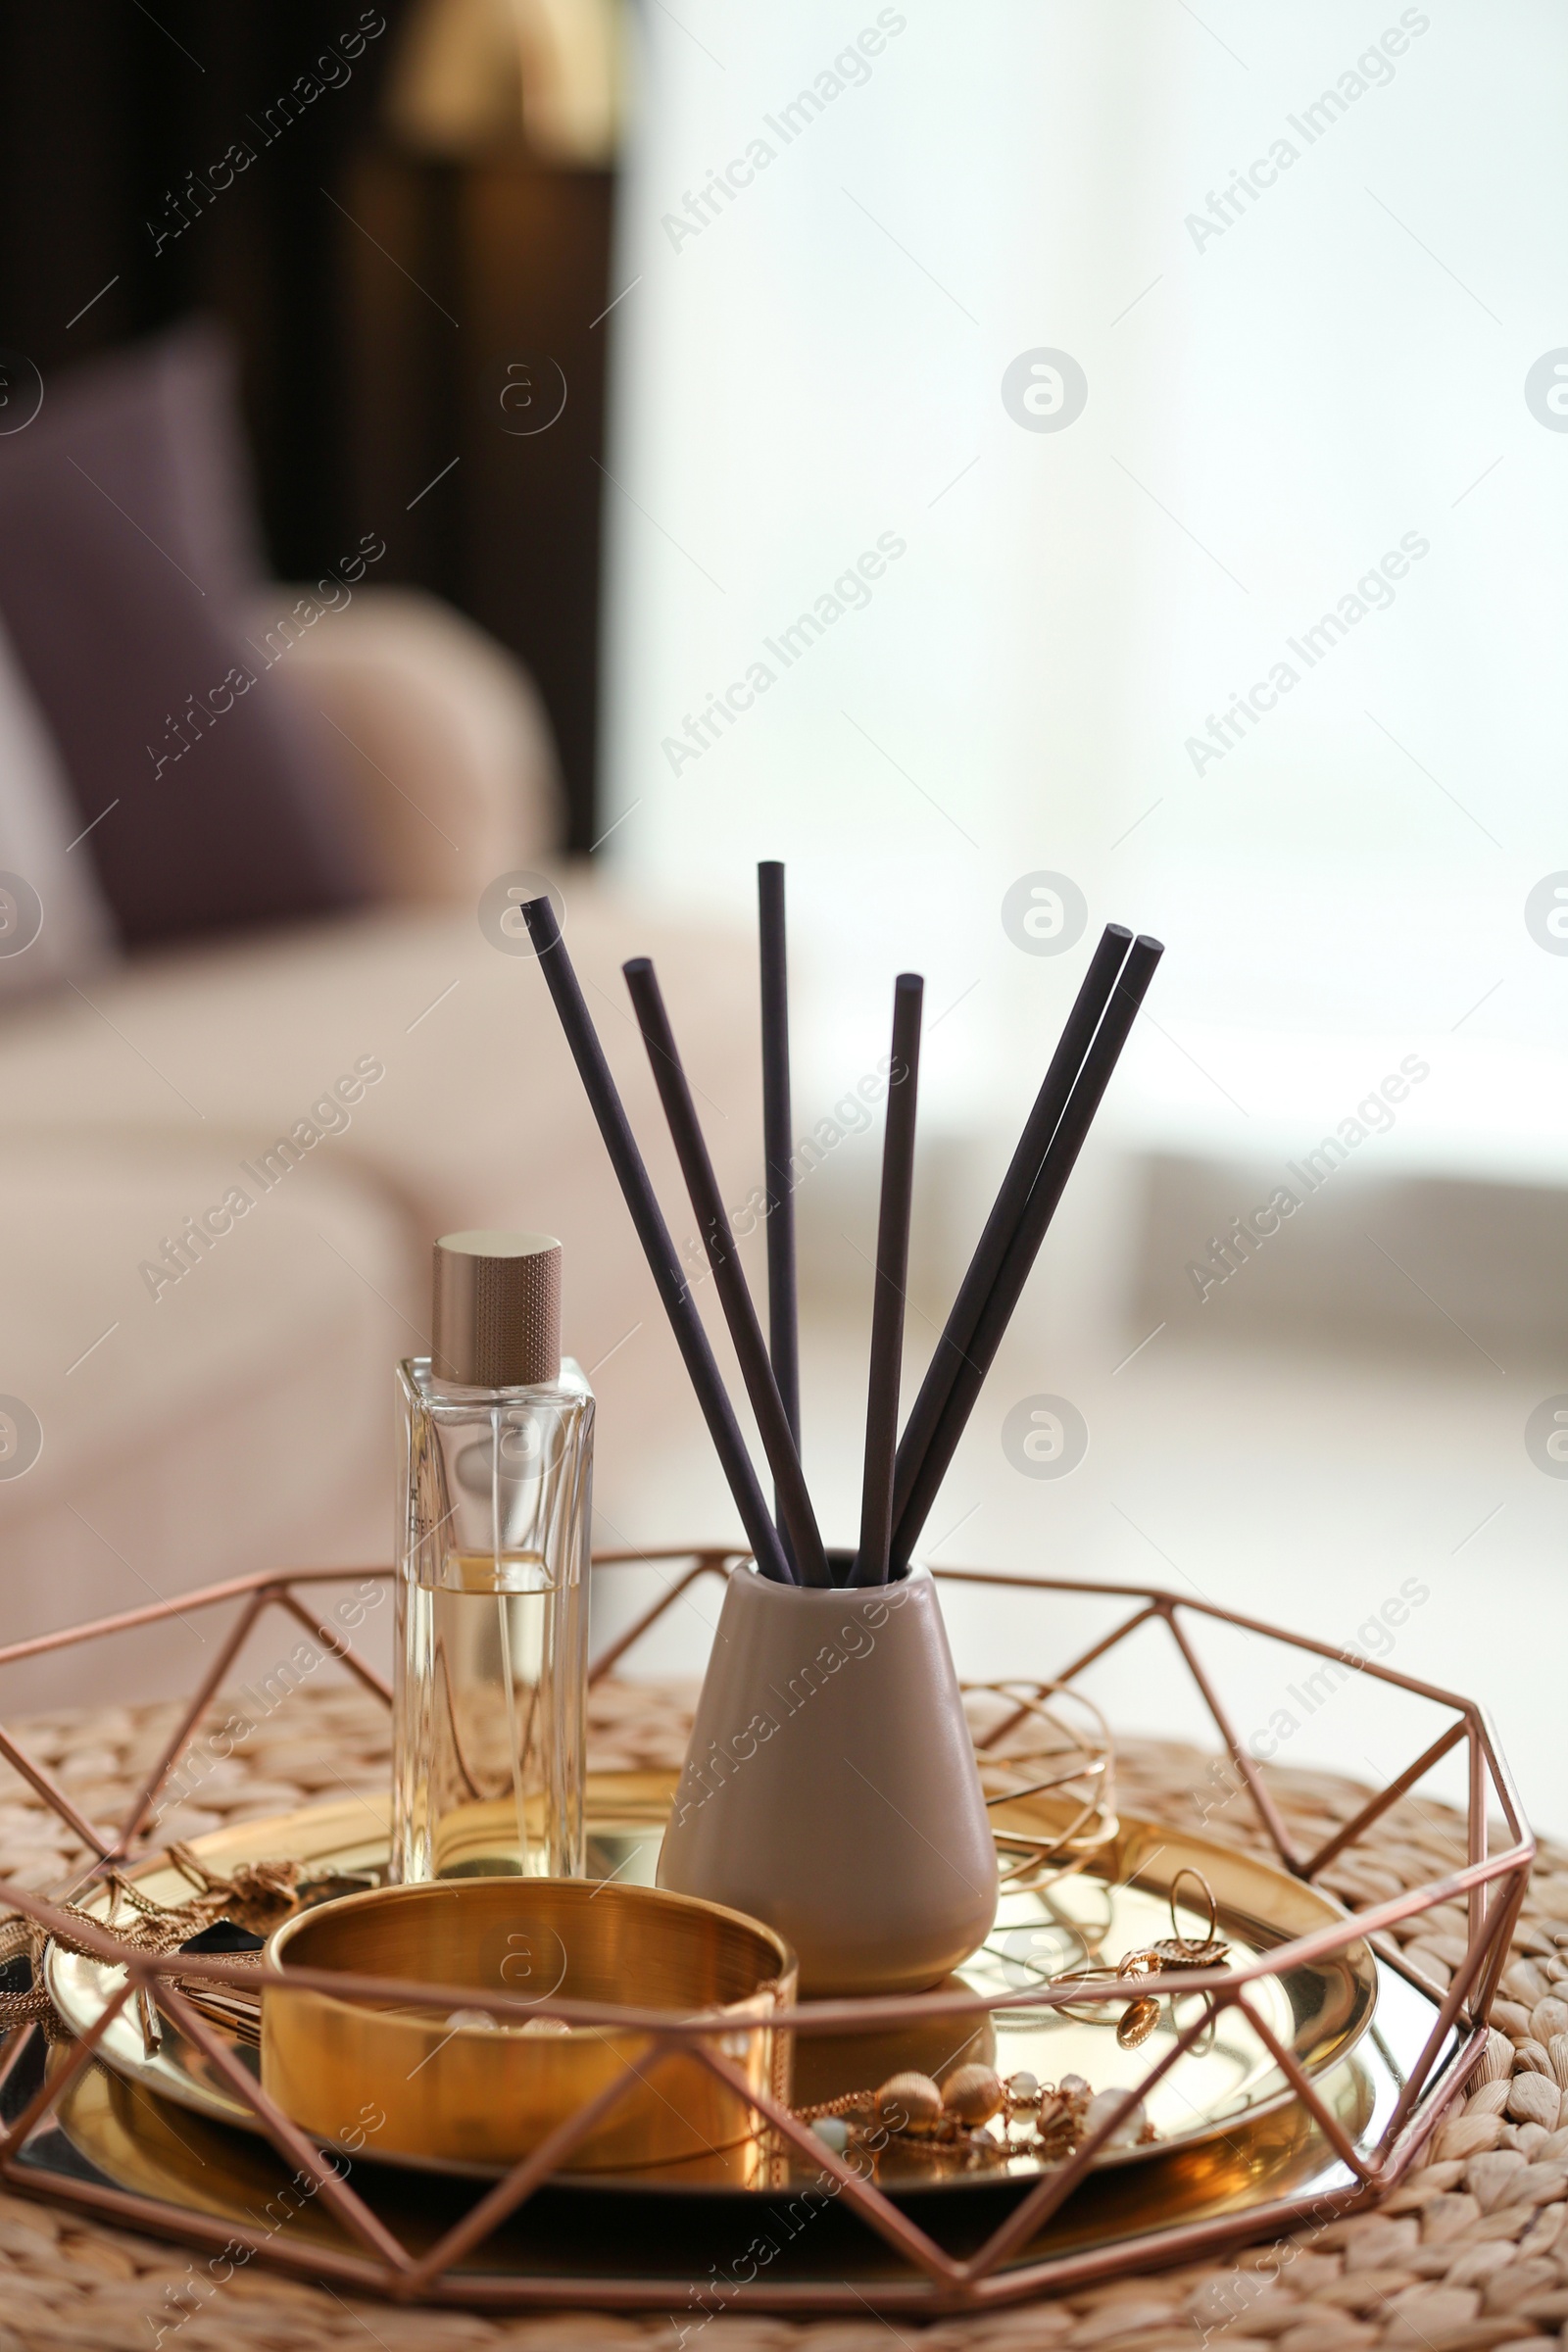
x,y
497,1316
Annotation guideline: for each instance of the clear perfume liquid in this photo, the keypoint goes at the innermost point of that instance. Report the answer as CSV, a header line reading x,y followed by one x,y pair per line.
x,y
488,1730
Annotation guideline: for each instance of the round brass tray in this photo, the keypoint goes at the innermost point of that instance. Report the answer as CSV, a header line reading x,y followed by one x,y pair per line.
x,y
1227,2083
613,2229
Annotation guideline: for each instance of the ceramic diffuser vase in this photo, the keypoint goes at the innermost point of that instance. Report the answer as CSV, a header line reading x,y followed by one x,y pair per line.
x,y
830,1787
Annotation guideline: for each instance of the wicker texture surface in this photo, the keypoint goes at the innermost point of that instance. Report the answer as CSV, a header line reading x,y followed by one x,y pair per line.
x,y
1465,2254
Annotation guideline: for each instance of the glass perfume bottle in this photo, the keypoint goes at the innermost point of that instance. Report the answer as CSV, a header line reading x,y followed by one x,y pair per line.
x,y
494,1482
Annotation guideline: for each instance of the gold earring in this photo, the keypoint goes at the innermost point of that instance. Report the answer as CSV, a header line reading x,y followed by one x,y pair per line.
x,y
1172,1954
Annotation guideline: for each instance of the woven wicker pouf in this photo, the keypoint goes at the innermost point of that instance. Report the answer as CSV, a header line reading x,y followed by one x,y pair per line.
x,y
1466,2253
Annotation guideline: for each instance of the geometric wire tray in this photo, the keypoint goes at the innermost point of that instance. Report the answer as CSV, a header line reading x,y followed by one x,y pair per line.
x,y
918,2273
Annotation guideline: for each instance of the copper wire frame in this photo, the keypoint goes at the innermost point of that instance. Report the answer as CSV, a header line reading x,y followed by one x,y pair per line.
x,y
935,2282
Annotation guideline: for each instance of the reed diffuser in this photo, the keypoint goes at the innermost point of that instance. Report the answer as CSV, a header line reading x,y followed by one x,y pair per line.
x,y
830,1787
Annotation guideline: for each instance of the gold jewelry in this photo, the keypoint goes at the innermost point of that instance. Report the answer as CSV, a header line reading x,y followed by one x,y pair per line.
x,y
1171,1956
1043,2119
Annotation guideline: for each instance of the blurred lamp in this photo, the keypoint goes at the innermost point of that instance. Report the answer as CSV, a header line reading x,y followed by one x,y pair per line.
x,y
475,79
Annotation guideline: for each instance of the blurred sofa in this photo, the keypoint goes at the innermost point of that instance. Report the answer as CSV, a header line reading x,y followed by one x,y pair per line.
x,y
212,1382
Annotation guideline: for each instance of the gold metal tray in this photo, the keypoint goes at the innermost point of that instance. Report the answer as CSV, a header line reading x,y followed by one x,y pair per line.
x,y
1226,2084
135,2141
208,2175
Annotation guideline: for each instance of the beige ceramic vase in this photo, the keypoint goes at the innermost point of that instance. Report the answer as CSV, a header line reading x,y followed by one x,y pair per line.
x,y
830,1787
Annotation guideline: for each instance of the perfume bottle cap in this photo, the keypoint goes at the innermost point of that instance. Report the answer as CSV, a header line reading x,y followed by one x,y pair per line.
x,y
497,1315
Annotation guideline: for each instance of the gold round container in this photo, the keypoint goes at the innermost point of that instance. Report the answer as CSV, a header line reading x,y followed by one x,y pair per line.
x,y
456,2086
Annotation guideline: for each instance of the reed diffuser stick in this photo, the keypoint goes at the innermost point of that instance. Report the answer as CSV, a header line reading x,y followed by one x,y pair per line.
x,y
1021,1253
803,1541
654,1234
957,1334
783,1326
871,1561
